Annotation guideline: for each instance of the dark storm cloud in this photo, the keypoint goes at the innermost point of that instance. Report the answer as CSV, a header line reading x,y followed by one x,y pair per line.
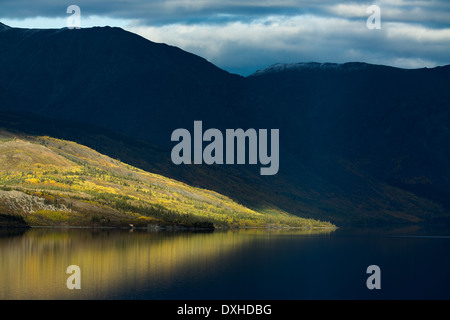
x,y
170,11
157,12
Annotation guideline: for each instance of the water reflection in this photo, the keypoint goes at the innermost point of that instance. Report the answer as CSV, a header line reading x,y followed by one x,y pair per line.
x,y
33,263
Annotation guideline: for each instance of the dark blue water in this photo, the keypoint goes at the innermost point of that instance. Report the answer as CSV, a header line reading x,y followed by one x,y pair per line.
x,y
245,264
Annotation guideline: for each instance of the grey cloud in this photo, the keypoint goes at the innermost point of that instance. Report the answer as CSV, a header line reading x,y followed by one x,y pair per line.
x,y
157,12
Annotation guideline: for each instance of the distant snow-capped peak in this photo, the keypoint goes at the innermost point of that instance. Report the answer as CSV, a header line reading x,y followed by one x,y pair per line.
x,y
281,67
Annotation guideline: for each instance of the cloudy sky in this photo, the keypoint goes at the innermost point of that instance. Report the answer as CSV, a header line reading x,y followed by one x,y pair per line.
x,y
242,36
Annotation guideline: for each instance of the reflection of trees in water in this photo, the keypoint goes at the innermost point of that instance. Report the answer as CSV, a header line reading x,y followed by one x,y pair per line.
x,y
12,232
33,265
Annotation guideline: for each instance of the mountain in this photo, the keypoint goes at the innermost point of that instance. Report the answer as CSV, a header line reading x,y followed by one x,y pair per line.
x,y
108,77
301,66
47,181
391,123
359,143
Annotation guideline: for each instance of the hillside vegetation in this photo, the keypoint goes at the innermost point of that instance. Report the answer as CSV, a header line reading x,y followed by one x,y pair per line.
x,y
46,181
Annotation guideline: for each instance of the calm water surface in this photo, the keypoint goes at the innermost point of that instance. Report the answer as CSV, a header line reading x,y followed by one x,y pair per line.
x,y
244,264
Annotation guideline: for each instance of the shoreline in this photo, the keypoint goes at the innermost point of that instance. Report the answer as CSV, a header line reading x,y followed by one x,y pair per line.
x,y
169,228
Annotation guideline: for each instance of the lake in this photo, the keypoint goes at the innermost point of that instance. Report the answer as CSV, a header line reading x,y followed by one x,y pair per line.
x,y
235,264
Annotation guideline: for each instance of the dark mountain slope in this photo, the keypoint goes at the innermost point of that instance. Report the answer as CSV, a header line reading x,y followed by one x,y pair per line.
x,y
108,77
393,124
